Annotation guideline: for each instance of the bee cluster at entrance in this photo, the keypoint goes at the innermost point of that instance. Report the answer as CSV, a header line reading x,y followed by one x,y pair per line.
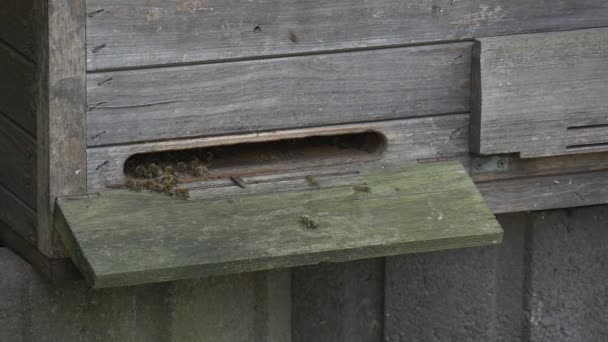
x,y
163,176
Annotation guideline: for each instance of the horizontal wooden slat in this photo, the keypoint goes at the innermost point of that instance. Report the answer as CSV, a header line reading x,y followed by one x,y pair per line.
x,y
17,215
18,166
407,140
129,33
531,88
121,238
153,104
17,85
549,192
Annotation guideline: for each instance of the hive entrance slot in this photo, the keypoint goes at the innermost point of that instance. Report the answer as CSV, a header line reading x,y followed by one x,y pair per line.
x,y
251,158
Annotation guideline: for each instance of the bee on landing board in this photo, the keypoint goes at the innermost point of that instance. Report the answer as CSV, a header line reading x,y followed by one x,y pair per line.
x,y
200,171
309,221
134,185
182,193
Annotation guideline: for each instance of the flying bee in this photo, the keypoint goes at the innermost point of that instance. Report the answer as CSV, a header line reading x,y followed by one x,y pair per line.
x,y
155,169
182,167
141,171
312,181
200,171
134,185
361,188
309,221
182,193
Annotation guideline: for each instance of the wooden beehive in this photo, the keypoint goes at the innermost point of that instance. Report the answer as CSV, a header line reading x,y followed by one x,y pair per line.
x,y
352,115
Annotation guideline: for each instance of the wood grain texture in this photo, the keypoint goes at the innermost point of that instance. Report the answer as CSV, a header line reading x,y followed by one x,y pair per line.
x,y
534,88
407,140
130,33
548,192
18,166
120,238
17,86
17,215
190,101
61,117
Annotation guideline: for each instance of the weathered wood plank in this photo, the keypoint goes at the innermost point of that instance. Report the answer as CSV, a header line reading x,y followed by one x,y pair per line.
x,y
61,116
17,215
190,101
130,33
533,88
407,140
17,86
120,238
548,192
18,170
18,26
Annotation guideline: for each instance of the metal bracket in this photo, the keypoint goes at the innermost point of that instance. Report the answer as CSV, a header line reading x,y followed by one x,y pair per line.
x,y
489,164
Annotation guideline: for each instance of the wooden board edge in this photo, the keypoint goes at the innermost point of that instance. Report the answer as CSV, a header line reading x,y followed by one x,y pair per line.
x,y
145,277
61,116
62,227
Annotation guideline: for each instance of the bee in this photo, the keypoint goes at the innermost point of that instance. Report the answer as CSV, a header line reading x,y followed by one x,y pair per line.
x,y
169,170
169,179
309,221
141,171
152,185
182,193
194,163
155,170
182,167
134,185
312,181
361,188
200,171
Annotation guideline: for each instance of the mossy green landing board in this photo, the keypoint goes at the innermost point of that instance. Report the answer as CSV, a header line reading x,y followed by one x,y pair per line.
x,y
123,238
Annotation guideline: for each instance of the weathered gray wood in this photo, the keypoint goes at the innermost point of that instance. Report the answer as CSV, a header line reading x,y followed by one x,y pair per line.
x,y
18,153
17,86
261,95
17,215
131,33
121,237
18,26
534,88
61,112
407,140
549,192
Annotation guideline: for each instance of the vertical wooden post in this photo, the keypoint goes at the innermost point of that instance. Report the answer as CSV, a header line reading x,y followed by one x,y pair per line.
x,y
61,117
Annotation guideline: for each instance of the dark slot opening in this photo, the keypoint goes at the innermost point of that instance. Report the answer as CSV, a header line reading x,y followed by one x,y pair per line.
x,y
250,158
